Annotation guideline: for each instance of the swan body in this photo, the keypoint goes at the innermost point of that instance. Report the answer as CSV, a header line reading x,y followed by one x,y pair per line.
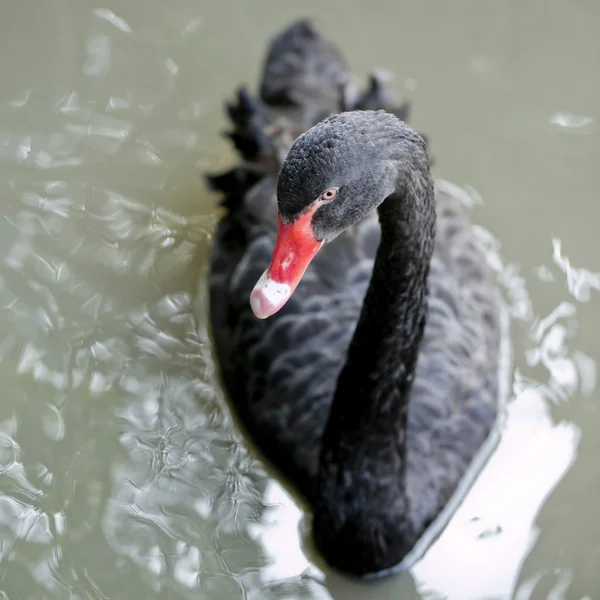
x,y
373,383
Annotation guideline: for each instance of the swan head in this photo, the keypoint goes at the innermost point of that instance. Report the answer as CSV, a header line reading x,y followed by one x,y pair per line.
x,y
333,176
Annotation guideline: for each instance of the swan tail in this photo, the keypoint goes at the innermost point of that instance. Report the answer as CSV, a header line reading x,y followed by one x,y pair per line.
x,y
302,68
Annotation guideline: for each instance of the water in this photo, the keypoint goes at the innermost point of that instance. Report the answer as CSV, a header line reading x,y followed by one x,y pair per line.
x,y
121,472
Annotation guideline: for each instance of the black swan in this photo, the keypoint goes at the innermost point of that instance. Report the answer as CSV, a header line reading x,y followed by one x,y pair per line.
x,y
373,385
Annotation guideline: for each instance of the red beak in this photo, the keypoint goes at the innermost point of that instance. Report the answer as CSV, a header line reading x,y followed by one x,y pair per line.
x,y
296,246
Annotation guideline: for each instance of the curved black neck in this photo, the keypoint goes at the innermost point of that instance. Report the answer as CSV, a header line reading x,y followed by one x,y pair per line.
x,y
374,384
363,446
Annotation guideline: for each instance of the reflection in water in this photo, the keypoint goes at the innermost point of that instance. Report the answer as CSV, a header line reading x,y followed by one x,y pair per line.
x,y
572,123
121,472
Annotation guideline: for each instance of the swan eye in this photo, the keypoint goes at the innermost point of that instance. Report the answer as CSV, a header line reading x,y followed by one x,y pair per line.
x,y
329,194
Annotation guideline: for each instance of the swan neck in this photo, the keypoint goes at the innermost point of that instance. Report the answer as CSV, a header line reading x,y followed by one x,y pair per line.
x,y
362,510
375,381
369,409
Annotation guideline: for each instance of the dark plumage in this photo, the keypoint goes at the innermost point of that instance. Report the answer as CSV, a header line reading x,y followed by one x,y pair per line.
x,y
375,385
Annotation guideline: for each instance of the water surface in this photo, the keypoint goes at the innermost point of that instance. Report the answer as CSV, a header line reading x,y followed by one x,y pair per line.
x,y
122,474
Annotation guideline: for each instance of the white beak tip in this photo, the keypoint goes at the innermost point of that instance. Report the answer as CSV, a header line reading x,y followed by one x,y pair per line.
x,y
268,296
